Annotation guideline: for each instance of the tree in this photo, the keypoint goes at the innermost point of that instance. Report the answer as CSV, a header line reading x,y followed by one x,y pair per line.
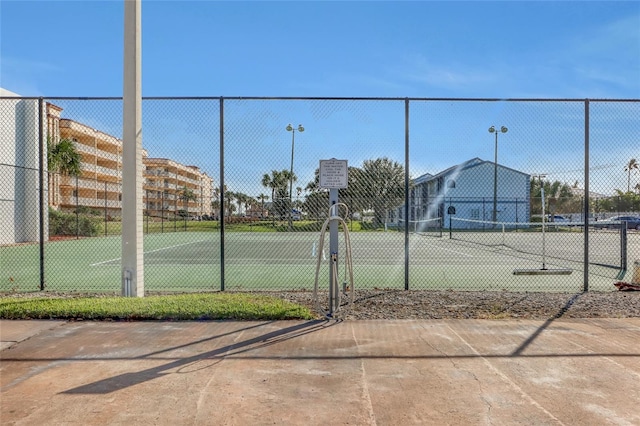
x,y
64,158
229,197
240,199
215,203
249,203
215,207
277,181
382,184
352,195
356,195
629,167
558,196
286,196
262,198
186,195
297,203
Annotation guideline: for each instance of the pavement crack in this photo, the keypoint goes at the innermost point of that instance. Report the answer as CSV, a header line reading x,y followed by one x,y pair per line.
x,y
524,395
366,395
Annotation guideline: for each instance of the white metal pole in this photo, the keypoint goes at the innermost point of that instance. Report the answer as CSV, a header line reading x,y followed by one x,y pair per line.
x,y
132,231
544,253
333,249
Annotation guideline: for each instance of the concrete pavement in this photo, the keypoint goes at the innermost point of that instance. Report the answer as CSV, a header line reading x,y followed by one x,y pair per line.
x,y
573,372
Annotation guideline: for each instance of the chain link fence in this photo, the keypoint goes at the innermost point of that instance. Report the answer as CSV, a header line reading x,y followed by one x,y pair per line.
x,y
232,197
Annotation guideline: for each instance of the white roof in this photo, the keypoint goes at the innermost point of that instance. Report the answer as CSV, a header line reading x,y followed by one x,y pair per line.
x,y
5,92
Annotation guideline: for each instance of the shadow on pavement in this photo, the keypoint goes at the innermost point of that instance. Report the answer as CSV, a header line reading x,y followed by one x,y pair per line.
x,y
122,381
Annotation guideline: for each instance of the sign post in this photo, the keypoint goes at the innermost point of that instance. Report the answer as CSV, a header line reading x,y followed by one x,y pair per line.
x,y
333,176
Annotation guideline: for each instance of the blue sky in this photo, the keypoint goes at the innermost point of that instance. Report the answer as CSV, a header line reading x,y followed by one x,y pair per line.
x,y
363,48
476,49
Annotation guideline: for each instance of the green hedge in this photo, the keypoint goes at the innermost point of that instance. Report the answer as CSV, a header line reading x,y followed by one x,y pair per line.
x,y
84,225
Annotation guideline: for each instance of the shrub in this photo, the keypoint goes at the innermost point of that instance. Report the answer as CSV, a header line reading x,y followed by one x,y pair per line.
x,y
61,223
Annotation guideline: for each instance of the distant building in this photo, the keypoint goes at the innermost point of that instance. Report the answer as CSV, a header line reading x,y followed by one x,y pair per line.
x,y
99,185
579,192
20,162
469,189
165,182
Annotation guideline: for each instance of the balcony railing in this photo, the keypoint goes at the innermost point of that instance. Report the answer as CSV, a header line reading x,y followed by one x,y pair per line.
x,y
71,201
99,169
98,152
84,183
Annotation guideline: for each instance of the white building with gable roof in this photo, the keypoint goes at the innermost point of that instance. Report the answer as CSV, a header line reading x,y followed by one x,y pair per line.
x,y
469,189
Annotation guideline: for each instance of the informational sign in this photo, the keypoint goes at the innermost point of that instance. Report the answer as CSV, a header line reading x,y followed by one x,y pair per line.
x,y
333,174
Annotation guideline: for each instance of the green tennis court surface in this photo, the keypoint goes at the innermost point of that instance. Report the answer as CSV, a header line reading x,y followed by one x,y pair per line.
x,y
191,261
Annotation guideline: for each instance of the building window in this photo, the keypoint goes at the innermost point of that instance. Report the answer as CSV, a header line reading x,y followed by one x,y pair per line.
x,y
451,183
475,214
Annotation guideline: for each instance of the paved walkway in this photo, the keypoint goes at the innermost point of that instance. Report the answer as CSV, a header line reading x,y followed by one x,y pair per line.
x,y
433,372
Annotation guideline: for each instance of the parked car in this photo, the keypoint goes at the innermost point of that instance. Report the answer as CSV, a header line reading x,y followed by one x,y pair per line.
x,y
557,219
633,222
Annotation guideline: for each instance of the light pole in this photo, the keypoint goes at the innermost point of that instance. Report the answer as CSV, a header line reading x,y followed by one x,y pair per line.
x,y
292,129
492,129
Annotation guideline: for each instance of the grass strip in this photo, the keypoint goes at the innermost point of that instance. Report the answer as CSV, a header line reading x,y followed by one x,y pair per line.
x,y
183,307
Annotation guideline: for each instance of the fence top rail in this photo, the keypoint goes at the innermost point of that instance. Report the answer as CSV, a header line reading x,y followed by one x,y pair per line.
x,y
319,98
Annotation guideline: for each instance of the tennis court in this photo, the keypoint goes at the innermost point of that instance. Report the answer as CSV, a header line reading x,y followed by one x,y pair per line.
x,y
191,261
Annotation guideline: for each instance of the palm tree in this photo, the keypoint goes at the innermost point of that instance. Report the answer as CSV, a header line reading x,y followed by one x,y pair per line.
x,y
186,195
62,158
262,198
215,207
229,196
240,199
631,165
249,202
298,193
287,194
276,181
215,203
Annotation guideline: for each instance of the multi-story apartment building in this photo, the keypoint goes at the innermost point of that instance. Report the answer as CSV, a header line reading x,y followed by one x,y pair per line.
x,y
99,185
170,188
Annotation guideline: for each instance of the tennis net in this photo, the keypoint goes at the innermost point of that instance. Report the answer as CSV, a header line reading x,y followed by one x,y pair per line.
x,y
565,241
428,227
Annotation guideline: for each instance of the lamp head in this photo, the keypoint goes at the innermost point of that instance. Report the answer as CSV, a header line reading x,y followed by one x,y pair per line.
x,y
492,129
503,129
289,127
300,128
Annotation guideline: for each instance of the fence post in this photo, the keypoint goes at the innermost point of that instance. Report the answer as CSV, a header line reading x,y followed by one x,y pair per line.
x,y
106,215
585,274
43,211
77,210
406,194
221,197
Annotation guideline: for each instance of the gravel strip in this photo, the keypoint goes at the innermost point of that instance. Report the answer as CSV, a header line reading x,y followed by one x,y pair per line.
x,y
398,304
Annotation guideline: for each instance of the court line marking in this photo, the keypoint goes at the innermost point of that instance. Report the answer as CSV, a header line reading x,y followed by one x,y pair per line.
x,y
456,252
150,251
